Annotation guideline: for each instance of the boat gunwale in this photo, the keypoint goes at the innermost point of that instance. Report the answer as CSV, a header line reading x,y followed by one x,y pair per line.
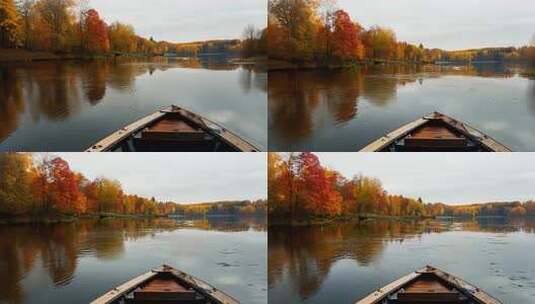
x,y
481,138
115,138
212,293
467,289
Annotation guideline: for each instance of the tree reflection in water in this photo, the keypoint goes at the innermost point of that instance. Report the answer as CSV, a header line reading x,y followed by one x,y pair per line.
x,y
306,255
58,247
304,103
58,90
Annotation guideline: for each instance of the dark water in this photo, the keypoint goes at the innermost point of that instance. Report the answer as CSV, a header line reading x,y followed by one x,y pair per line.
x,y
69,105
344,110
343,263
76,262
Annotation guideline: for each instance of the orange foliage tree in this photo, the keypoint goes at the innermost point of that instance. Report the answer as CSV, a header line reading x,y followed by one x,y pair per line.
x,y
347,44
63,188
316,195
96,33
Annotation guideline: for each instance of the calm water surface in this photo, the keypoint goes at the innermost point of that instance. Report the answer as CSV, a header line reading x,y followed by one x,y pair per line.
x,y
343,263
76,262
69,105
344,110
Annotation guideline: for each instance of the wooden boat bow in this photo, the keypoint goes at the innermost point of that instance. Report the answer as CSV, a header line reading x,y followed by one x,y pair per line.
x,y
165,285
393,292
173,129
436,132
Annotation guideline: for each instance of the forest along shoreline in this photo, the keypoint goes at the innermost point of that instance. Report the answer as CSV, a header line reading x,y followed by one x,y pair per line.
x,y
47,191
31,33
302,192
302,35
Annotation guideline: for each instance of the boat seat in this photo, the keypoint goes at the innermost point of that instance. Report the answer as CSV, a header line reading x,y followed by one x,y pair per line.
x,y
175,130
436,136
428,290
173,134
166,291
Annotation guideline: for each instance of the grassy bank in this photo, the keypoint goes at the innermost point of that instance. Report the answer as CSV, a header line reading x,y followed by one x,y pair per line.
x,y
281,65
61,218
310,221
20,55
17,55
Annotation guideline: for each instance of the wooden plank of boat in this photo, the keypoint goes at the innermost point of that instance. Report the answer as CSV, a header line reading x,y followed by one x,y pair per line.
x,y
173,125
429,285
122,134
436,132
165,285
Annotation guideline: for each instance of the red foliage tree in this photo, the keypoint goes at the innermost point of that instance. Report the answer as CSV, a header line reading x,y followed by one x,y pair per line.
x,y
66,197
96,33
316,191
347,44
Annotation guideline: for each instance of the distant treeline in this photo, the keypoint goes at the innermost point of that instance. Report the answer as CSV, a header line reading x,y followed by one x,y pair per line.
x,y
299,187
486,209
253,43
71,26
225,208
317,31
504,54
47,186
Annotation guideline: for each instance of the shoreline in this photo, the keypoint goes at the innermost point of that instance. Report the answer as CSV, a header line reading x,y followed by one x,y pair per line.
x,y
55,219
21,56
317,221
314,221
274,65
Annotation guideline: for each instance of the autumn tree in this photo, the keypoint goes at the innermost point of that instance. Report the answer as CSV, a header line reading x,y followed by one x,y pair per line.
x,y
96,30
9,24
380,42
122,38
109,195
347,44
294,22
66,196
15,182
27,14
56,20
316,195
249,40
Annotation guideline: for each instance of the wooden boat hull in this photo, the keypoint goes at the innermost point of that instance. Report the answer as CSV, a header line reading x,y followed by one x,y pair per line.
x,y
173,129
429,285
165,285
436,132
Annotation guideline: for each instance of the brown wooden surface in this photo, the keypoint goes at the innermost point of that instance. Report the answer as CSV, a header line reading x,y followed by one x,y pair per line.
x,y
173,128
164,289
467,289
173,125
434,131
116,138
475,135
429,291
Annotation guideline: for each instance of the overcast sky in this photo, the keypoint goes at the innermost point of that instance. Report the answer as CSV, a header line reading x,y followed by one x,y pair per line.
x,y
451,24
444,177
179,177
185,20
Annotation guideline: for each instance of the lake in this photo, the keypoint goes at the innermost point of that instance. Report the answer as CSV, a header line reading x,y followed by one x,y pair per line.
x,y
69,105
342,263
344,110
76,262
